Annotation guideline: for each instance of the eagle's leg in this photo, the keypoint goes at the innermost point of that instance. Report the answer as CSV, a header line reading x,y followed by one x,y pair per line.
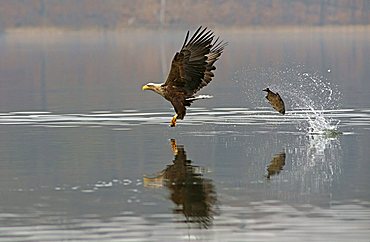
x,y
173,121
174,146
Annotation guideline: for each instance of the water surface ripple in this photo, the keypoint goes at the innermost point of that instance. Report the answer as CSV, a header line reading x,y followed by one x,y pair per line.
x,y
262,221
126,119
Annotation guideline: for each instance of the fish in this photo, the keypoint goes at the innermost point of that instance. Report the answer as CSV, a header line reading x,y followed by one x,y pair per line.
x,y
275,100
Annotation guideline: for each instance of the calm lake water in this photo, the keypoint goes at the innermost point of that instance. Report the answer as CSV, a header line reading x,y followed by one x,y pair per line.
x,y
85,155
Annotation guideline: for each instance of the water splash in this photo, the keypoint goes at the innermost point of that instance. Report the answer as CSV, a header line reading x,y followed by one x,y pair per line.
x,y
314,97
308,96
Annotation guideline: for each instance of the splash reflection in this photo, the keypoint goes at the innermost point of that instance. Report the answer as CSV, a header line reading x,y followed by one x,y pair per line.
x,y
318,164
195,196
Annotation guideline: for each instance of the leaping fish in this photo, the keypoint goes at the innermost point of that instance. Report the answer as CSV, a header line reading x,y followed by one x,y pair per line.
x,y
275,100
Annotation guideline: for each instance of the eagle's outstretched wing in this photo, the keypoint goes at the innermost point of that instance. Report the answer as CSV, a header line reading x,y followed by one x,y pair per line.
x,y
192,67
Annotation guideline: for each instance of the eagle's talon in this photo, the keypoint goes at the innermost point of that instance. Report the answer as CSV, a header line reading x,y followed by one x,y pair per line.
x,y
173,121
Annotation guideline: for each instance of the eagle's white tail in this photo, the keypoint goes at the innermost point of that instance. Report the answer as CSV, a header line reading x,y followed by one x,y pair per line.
x,y
199,97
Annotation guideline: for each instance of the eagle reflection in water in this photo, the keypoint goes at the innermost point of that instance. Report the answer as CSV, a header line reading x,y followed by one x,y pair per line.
x,y
276,164
195,196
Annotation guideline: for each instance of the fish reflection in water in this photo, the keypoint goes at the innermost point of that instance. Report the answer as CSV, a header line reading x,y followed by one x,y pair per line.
x,y
276,164
195,196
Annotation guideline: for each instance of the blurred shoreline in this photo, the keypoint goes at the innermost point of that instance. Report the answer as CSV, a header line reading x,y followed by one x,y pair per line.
x,y
46,31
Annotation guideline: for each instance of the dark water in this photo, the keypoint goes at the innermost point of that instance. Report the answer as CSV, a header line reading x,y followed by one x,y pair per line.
x,y
85,155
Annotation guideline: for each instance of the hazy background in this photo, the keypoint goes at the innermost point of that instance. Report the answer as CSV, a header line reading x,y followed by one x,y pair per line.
x,y
78,136
116,14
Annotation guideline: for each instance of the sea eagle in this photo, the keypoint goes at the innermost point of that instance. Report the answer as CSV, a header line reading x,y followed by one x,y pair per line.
x,y
191,69
275,100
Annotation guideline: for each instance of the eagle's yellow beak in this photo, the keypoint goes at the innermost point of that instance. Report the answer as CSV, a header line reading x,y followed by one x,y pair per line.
x,y
145,87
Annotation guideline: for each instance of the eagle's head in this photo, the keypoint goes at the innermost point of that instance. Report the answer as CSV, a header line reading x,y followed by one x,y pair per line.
x,y
154,87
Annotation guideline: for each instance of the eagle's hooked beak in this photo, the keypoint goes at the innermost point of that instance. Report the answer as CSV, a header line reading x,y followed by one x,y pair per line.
x,y
145,87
